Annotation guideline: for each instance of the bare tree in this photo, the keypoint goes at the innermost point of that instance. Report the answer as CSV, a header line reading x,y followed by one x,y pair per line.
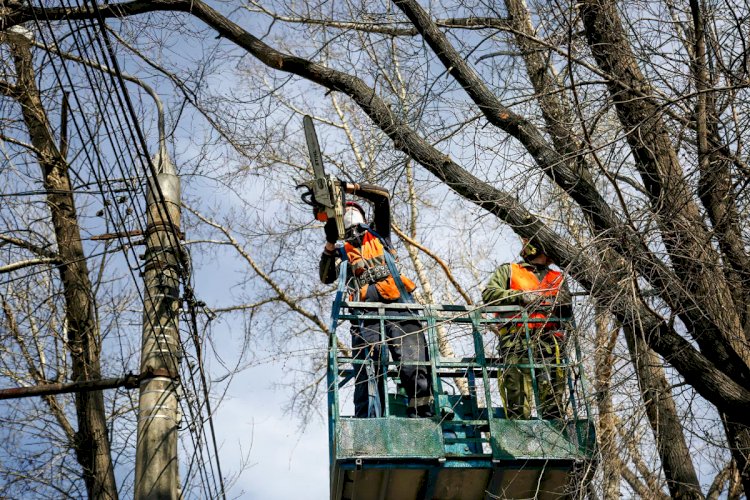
x,y
635,115
91,441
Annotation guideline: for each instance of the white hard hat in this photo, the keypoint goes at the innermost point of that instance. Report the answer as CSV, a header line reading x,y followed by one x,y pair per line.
x,y
352,217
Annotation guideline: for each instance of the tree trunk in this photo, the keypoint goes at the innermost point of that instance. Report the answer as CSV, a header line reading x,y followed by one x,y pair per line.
x,y
716,192
738,436
717,329
607,431
559,121
714,326
91,442
674,453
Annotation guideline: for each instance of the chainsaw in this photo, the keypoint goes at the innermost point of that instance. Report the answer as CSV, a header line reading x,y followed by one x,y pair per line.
x,y
324,193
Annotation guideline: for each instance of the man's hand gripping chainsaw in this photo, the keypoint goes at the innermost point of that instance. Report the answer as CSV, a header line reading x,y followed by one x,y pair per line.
x,y
324,193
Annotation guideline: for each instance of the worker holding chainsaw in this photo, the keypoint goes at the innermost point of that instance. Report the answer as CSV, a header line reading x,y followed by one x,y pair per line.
x,y
372,278
544,294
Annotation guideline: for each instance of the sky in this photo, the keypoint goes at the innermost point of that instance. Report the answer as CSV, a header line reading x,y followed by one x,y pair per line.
x,y
261,448
283,463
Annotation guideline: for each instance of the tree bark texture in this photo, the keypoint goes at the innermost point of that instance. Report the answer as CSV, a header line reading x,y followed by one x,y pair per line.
x,y
559,120
684,233
606,337
717,329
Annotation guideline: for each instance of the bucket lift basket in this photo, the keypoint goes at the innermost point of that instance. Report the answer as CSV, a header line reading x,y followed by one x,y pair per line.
x,y
469,450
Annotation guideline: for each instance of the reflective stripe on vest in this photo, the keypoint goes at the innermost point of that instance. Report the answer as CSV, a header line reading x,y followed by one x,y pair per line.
x,y
370,255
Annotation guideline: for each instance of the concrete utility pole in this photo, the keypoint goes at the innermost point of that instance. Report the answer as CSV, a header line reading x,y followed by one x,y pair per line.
x,y
156,474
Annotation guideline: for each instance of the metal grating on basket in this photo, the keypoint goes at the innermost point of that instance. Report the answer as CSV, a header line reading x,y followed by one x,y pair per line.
x,y
529,439
388,438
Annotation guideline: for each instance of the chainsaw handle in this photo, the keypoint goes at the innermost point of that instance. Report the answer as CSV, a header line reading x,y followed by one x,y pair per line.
x,y
308,198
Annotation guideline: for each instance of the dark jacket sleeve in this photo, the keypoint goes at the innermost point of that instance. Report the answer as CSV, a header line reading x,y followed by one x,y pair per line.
x,y
381,202
327,268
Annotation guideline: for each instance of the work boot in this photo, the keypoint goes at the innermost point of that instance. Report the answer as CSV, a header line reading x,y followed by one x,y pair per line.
x,y
425,411
447,413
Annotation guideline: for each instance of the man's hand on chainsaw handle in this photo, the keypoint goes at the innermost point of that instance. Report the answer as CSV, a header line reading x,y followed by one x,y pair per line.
x,y
348,187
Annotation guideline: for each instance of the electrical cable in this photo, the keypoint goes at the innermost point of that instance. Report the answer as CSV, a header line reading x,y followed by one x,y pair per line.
x,y
130,243
162,202
99,183
90,134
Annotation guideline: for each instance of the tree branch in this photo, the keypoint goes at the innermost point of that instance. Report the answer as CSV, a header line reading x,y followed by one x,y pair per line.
x,y
41,251
722,386
27,263
282,296
441,262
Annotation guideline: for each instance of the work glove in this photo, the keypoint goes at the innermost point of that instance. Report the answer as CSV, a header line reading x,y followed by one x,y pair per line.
x,y
529,298
332,231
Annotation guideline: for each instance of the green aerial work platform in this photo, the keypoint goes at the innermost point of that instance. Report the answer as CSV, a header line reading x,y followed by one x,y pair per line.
x,y
469,450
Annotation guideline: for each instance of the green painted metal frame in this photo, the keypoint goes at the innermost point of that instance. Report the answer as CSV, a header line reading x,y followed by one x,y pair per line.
x,y
477,436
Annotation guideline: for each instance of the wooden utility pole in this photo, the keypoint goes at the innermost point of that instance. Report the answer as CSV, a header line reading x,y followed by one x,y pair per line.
x,y
156,474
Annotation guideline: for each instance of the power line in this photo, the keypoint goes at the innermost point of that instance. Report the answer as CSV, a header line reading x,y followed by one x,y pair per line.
x,y
115,147
162,203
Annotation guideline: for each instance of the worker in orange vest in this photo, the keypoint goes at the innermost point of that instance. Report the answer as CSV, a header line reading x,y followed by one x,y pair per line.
x,y
370,280
542,291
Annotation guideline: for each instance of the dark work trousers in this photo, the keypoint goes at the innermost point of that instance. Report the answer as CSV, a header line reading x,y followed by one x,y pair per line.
x,y
406,342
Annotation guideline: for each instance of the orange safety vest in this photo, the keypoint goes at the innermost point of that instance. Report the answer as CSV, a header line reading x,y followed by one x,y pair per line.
x,y
371,254
523,280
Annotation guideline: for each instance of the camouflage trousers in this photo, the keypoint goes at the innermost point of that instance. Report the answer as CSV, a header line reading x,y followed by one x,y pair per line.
x,y
516,382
